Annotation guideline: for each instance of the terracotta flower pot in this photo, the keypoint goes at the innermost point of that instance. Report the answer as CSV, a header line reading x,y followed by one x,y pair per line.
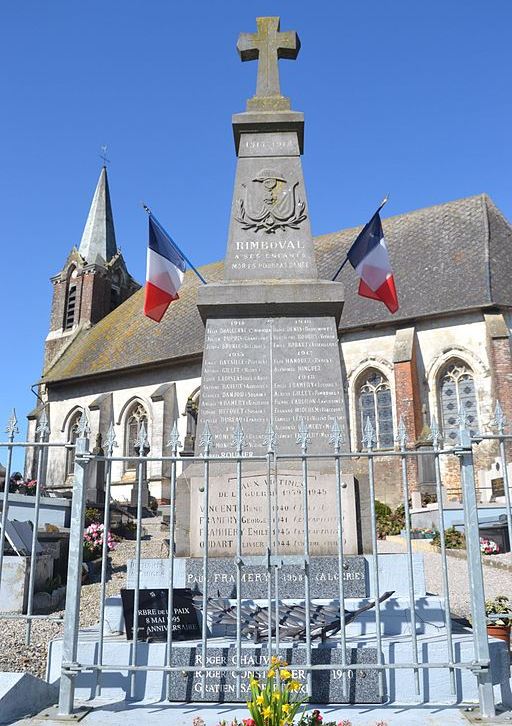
x,y
501,632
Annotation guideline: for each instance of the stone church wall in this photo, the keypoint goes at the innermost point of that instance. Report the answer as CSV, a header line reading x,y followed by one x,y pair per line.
x,y
162,392
437,342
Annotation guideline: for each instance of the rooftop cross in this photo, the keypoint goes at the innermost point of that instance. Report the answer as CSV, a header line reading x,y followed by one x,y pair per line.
x,y
267,46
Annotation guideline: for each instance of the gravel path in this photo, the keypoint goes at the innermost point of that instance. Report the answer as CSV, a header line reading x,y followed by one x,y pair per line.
x,y
496,581
16,656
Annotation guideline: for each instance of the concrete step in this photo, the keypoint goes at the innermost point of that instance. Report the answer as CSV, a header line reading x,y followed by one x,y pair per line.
x,y
22,694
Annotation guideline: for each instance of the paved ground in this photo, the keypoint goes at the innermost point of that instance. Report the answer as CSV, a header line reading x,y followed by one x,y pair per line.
x,y
496,581
121,714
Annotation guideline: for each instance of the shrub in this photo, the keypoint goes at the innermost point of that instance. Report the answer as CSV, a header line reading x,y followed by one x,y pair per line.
x,y
381,509
389,522
502,606
428,498
454,539
92,515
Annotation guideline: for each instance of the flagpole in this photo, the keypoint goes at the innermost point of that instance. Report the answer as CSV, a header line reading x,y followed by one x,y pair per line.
x,y
384,201
155,220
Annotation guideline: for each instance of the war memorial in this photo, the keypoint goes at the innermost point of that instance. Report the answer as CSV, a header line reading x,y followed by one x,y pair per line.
x,y
270,533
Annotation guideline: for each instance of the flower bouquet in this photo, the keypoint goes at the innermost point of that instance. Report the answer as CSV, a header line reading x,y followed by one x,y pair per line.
x,y
488,546
93,541
274,701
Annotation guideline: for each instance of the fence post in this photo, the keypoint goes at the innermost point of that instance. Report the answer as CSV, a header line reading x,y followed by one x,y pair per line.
x,y
475,572
74,579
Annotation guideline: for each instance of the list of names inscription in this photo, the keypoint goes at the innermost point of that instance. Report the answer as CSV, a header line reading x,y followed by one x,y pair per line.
x,y
271,370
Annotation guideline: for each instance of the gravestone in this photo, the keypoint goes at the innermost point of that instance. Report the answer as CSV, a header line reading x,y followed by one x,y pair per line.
x,y
271,364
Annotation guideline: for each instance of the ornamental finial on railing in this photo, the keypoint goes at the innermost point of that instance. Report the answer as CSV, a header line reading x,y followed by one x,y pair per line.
x,y
499,419
12,425
206,439
239,437
435,433
303,437
83,428
462,420
174,442
43,427
270,439
369,434
401,438
336,438
110,440
142,442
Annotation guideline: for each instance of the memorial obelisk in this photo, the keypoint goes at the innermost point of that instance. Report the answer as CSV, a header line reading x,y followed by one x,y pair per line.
x,y
271,356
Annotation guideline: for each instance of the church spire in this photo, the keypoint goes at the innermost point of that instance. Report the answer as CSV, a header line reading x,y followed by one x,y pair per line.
x,y
99,238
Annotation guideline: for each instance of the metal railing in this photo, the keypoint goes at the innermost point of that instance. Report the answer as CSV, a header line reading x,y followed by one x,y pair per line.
x,y
274,558
41,446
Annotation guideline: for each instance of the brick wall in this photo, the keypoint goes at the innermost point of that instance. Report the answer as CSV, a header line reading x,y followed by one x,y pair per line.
x,y
407,395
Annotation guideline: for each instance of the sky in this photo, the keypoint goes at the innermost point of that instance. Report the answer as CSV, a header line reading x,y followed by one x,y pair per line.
x,y
410,98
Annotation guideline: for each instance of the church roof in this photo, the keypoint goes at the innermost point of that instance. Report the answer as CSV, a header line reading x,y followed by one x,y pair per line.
x,y
98,243
445,258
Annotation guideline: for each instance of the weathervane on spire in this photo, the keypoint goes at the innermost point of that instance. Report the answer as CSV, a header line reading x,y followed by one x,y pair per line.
x,y
103,155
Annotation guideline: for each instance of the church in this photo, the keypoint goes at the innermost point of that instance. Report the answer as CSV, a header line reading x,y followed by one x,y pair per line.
x,y
447,347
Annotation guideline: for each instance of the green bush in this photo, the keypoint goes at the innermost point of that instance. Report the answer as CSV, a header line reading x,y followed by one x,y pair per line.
x,y
389,522
381,509
92,515
454,539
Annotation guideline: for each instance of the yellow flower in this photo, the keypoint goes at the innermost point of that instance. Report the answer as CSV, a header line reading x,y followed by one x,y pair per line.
x,y
266,712
285,675
294,686
286,708
271,673
276,695
275,660
260,699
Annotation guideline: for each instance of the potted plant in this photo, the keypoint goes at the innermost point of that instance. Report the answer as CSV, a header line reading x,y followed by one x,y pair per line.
x,y
499,627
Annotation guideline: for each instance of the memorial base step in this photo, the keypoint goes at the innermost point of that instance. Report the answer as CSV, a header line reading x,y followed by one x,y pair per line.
x,y
399,684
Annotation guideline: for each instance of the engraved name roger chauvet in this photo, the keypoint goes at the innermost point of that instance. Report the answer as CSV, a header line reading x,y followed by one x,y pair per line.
x,y
270,203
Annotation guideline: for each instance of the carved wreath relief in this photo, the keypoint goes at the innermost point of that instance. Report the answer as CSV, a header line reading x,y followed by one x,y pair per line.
x,y
270,203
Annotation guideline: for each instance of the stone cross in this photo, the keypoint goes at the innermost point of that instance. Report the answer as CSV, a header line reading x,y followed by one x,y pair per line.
x,y
267,46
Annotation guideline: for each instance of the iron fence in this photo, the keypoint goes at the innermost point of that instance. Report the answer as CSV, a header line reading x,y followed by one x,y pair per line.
x,y
273,559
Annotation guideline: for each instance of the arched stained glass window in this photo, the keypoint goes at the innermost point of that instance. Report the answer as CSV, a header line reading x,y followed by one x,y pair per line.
x,y
456,390
72,437
374,403
134,418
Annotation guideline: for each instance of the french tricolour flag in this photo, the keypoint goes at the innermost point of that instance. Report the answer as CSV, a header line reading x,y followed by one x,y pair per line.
x,y
165,270
369,257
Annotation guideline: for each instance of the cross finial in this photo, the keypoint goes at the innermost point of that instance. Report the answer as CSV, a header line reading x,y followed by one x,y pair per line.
x,y
103,155
267,46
